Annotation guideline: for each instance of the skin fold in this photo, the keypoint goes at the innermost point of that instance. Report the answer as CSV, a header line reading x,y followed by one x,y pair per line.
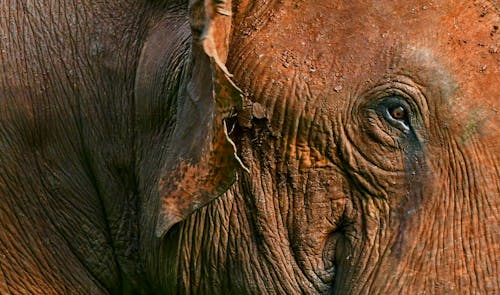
x,y
249,147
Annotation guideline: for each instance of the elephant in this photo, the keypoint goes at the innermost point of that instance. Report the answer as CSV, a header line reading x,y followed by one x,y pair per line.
x,y
249,147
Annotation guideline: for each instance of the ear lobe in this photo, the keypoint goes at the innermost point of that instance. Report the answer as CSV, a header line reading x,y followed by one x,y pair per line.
x,y
202,163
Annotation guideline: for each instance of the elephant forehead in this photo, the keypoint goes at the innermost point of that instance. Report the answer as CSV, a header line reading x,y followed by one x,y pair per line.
x,y
327,34
336,49
348,35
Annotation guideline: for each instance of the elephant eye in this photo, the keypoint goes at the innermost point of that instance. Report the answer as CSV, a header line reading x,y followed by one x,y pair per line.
x,y
396,111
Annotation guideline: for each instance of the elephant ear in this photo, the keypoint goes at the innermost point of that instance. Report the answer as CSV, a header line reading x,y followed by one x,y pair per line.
x,y
203,161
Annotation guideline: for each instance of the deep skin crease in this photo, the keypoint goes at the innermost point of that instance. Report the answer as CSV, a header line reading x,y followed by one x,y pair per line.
x,y
339,195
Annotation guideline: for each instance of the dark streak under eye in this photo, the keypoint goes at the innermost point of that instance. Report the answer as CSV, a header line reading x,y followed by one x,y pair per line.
x,y
415,171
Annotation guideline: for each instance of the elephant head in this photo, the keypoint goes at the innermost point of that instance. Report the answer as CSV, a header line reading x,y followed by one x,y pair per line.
x,y
370,130
352,145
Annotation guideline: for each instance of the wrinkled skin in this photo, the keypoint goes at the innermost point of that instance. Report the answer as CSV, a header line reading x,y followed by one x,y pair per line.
x,y
111,128
340,196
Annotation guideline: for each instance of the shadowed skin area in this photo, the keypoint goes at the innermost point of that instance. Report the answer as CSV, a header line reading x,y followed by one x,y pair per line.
x,y
110,133
340,200
369,130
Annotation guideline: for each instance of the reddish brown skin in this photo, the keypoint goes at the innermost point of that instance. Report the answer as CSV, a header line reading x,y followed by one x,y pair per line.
x,y
111,129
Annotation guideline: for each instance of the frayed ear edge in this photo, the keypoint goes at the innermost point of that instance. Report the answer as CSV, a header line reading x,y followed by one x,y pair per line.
x,y
238,159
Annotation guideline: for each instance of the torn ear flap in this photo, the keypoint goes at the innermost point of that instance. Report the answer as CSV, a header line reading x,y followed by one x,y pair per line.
x,y
203,161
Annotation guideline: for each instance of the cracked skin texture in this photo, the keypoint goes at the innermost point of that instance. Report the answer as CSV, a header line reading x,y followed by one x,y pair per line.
x,y
338,200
